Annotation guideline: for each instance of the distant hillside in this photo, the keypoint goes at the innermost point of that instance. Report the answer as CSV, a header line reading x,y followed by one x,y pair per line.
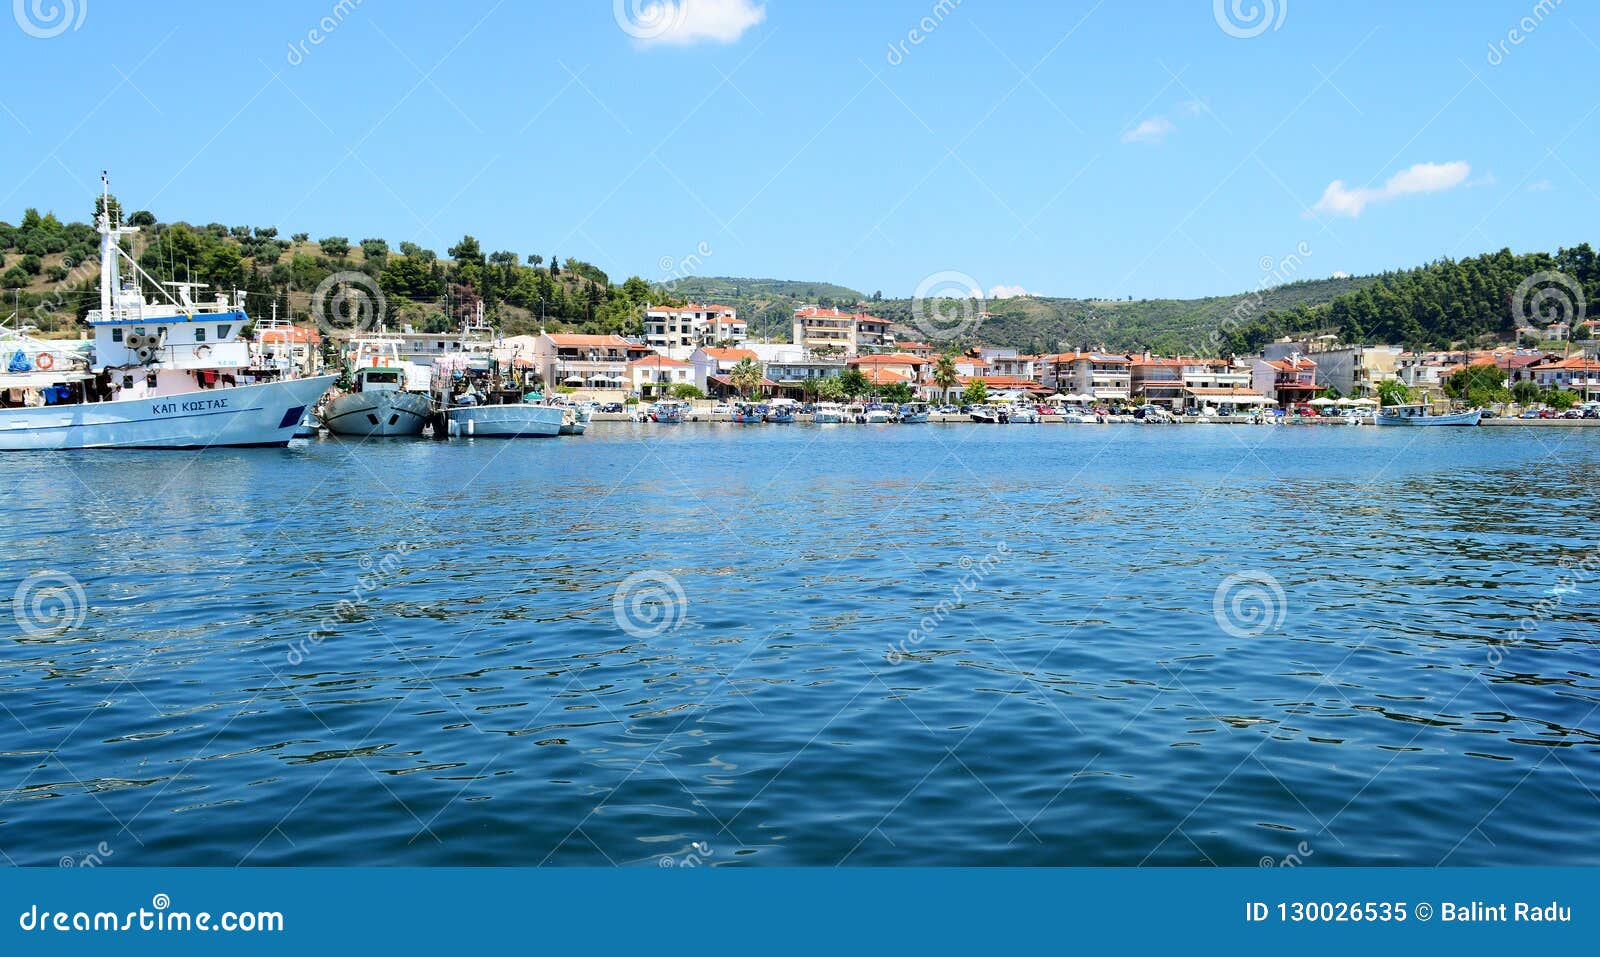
x,y
1450,302
1043,324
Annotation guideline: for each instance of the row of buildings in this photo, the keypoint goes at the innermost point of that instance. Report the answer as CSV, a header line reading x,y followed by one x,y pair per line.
x,y
700,344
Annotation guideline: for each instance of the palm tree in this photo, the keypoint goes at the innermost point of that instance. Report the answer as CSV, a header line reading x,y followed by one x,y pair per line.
x,y
746,375
945,376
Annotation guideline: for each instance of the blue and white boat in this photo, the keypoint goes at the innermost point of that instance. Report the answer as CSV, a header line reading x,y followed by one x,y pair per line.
x,y
164,373
1419,415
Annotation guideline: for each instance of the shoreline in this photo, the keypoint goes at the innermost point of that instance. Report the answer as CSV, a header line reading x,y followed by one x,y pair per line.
x,y
958,419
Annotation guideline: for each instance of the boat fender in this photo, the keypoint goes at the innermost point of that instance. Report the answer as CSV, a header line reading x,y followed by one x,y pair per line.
x,y
44,362
471,427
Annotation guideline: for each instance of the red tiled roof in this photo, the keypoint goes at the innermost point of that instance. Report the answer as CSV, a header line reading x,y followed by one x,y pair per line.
x,y
734,354
289,334
661,362
566,339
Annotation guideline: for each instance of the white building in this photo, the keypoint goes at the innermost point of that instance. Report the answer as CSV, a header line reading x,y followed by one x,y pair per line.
x,y
677,331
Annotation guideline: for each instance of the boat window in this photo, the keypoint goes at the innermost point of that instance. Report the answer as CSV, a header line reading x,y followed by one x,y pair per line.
x,y
116,335
199,333
383,377
222,331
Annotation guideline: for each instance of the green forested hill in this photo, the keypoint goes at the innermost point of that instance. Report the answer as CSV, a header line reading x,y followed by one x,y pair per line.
x,y
1448,302
1047,324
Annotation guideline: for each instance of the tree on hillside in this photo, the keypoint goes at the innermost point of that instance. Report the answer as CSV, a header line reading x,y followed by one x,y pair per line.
x,y
375,250
534,260
335,246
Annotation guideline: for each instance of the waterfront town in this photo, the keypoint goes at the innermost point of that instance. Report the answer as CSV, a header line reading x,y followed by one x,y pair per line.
x,y
697,350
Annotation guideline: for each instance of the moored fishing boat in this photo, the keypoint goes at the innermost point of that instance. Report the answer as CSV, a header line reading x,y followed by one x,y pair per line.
x,y
748,414
1418,414
388,397
164,374
878,414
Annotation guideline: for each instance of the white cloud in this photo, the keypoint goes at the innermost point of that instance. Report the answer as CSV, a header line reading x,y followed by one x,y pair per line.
x,y
1340,200
1341,274
683,22
1153,130
1009,292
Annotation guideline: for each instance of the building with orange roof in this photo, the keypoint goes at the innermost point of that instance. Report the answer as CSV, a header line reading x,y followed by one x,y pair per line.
x,y
677,331
852,333
653,376
1288,381
299,346
1579,373
585,361
1106,376
908,367
712,361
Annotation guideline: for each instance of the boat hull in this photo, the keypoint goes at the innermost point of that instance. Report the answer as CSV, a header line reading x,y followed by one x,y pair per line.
x,y
247,415
378,413
1419,421
506,421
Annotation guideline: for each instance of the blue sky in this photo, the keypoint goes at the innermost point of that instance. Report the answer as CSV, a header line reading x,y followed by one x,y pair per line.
x,y
1068,148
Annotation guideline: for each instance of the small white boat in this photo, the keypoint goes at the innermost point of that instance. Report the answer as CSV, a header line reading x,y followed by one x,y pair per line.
x,y
878,415
986,414
1023,413
579,422
828,413
914,413
1418,415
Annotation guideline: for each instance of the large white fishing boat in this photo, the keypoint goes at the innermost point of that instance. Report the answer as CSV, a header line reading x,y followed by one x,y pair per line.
x,y
164,374
1418,414
388,396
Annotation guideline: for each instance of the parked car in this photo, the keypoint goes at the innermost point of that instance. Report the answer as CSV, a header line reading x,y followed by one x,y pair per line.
x,y
722,408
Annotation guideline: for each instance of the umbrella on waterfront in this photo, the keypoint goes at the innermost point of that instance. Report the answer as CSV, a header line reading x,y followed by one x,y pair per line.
x,y
1322,401
1347,402
1363,401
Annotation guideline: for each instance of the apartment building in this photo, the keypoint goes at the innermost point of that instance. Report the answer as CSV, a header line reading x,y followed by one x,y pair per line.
x,y
677,331
852,333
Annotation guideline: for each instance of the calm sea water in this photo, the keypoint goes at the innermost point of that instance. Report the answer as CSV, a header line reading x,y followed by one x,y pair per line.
x,y
809,646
